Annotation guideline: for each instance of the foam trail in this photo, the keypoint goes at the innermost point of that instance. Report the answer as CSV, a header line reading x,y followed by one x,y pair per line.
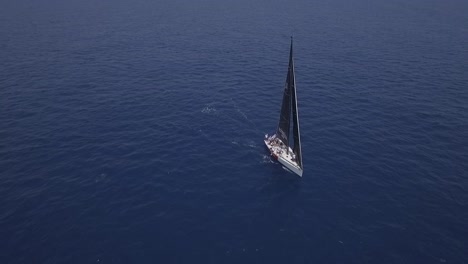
x,y
245,116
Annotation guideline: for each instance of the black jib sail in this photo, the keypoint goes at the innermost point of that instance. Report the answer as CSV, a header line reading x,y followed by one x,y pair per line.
x,y
285,115
290,104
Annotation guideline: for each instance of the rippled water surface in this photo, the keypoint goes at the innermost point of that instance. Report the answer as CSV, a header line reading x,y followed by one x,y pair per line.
x,y
131,131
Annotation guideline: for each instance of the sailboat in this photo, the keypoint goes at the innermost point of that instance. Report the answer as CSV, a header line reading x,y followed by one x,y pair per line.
x,y
288,152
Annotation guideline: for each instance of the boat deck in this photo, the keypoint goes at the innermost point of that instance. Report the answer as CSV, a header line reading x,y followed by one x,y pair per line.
x,y
283,154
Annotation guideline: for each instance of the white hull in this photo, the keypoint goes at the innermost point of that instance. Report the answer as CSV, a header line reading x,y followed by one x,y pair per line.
x,y
283,154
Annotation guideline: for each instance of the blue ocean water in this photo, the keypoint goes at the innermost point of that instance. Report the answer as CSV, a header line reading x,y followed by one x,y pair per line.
x,y
131,131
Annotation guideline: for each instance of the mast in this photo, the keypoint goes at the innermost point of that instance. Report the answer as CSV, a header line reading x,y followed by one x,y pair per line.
x,y
296,132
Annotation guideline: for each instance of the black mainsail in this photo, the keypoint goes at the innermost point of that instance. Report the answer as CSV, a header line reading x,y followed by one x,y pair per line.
x,y
290,105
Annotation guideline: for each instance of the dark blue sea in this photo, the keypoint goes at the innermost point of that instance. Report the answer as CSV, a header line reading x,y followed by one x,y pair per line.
x,y
132,131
